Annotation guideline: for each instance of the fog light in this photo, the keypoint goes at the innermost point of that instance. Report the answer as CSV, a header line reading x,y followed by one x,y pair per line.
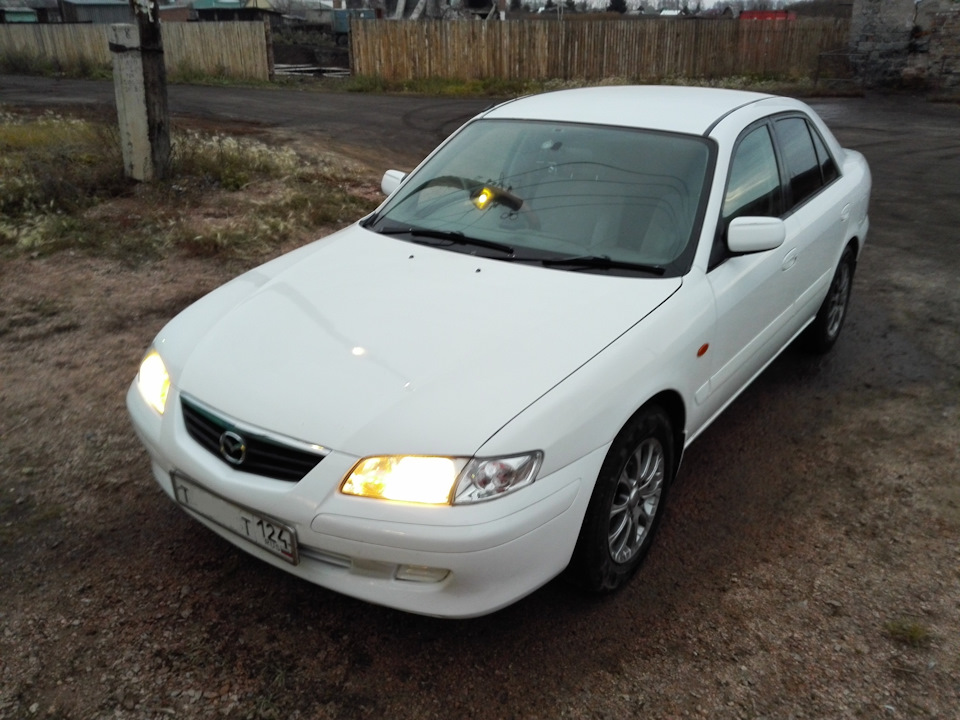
x,y
421,574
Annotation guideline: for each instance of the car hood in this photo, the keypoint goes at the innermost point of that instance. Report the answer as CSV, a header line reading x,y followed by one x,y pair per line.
x,y
369,344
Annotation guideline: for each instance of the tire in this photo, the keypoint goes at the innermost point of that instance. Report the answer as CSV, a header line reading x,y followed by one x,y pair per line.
x,y
626,505
823,332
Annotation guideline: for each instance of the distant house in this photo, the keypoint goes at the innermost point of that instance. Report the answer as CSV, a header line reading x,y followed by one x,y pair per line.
x,y
218,9
47,11
175,13
318,12
18,15
97,11
768,15
236,10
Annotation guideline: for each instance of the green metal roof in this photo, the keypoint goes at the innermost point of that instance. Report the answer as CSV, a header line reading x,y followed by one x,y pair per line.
x,y
219,4
19,15
97,3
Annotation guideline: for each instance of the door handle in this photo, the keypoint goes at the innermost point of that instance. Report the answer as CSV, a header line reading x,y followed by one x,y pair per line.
x,y
790,259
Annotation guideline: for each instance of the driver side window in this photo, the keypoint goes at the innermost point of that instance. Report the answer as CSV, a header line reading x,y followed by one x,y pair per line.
x,y
753,188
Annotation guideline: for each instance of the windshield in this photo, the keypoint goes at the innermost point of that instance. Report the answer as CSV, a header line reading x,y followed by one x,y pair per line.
x,y
555,190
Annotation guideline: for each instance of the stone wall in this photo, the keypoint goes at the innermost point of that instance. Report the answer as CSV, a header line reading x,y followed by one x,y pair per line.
x,y
907,42
944,63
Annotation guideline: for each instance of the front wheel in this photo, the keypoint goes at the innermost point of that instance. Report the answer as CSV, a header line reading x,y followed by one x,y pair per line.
x,y
823,332
626,504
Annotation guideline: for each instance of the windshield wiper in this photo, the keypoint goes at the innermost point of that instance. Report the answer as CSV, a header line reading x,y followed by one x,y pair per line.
x,y
454,237
602,262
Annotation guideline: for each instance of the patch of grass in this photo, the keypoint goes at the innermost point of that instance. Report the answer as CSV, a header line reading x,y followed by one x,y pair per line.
x,y
84,68
908,632
54,164
446,87
227,161
47,233
497,87
255,227
488,86
364,84
946,97
21,517
188,75
62,187
22,63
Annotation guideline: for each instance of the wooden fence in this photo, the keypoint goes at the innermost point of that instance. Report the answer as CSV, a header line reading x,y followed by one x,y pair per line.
x,y
228,49
592,50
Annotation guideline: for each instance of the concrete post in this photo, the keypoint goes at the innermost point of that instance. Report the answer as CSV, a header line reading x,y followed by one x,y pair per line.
x,y
141,94
131,100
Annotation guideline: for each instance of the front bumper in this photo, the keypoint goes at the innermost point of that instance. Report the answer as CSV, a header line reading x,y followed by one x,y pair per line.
x,y
388,553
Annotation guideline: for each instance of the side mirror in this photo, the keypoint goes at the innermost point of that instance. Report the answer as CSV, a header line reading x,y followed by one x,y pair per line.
x,y
391,181
755,234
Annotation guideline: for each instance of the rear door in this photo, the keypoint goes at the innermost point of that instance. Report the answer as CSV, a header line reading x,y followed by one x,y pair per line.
x,y
815,216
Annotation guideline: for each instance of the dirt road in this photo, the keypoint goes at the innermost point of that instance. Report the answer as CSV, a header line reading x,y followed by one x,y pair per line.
x,y
808,565
403,128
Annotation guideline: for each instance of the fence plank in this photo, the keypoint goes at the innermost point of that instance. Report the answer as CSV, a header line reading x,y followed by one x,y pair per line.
x,y
231,49
650,49
590,50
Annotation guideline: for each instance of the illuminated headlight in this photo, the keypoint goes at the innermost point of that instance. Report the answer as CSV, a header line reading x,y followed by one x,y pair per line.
x,y
408,478
153,382
440,480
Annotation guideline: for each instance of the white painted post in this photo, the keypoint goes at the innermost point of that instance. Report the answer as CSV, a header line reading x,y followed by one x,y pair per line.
x,y
131,100
140,83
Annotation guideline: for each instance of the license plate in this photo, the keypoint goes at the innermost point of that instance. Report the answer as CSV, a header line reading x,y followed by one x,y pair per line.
x,y
272,535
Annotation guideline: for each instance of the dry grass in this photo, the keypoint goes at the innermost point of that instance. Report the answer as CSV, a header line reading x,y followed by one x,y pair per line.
x,y
909,632
498,87
62,187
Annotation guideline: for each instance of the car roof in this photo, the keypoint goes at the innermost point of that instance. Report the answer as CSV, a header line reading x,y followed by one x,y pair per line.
x,y
692,110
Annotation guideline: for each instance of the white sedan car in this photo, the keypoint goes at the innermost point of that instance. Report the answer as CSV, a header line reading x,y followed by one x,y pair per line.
x,y
491,379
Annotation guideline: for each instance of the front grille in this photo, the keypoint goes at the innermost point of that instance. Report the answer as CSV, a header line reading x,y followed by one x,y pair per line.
x,y
264,456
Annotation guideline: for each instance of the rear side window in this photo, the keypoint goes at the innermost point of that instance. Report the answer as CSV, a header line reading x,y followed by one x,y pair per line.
x,y
803,166
828,168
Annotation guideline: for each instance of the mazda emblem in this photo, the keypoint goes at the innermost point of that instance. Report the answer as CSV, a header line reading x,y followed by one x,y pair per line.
x,y
233,447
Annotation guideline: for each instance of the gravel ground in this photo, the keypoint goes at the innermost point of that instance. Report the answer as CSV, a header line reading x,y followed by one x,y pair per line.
x,y
808,565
